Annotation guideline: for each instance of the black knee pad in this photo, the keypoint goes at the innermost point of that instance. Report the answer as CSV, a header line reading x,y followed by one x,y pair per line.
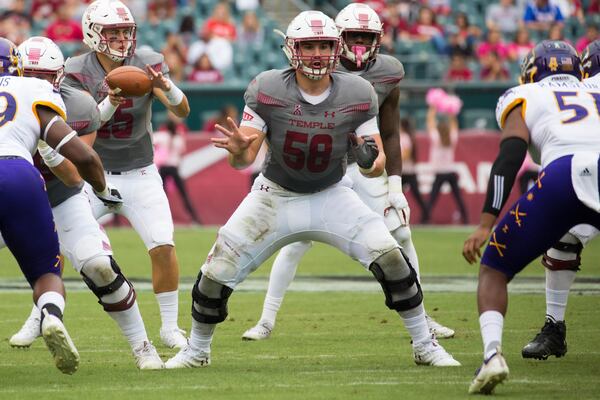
x,y
555,264
204,303
397,287
112,287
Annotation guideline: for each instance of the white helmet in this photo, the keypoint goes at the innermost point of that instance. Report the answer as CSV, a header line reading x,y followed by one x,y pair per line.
x,y
358,17
107,14
311,26
41,55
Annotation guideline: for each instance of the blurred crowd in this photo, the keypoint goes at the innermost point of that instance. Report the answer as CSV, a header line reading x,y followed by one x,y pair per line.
x,y
466,40
483,39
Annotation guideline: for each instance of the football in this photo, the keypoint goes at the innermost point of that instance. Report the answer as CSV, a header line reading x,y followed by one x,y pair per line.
x,y
132,81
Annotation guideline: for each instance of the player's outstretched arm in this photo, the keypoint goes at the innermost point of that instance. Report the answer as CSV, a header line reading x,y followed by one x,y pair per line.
x,y
513,148
64,140
169,94
242,143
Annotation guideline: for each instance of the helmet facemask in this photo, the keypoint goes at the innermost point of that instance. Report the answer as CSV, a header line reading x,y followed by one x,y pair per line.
x,y
57,76
313,67
360,54
129,40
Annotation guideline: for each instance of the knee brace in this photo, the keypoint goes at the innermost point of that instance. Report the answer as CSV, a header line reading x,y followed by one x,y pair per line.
x,y
210,298
564,255
104,279
398,280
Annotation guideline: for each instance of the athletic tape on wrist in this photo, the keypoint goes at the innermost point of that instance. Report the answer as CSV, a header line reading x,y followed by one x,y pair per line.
x,y
174,95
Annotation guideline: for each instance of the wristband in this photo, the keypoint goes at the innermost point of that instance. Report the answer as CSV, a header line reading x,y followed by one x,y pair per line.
x,y
107,109
174,95
395,184
103,193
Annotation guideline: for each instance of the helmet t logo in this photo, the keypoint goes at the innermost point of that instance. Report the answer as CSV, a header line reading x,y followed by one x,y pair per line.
x,y
317,26
122,13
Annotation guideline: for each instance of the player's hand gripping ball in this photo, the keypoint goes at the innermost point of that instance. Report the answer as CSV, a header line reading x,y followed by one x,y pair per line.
x,y
129,81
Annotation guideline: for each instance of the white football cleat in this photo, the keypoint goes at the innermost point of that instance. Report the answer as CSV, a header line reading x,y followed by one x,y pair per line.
x,y
146,357
261,331
188,358
173,338
431,353
493,371
30,331
440,331
60,344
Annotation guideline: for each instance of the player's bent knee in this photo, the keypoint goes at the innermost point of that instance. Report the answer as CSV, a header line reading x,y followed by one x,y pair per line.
x,y
564,255
105,279
398,281
88,248
209,300
161,234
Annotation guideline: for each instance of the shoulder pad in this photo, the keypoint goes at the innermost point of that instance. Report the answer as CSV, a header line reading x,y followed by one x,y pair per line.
x,y
512,98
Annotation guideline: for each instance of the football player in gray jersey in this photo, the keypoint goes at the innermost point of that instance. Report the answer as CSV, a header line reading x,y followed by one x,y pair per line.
x,y
124,143
361,31
310,118
81,238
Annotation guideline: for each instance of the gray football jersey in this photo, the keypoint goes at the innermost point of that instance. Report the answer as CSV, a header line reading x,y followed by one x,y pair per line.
x,y
308,143
124,142
385,74
84,117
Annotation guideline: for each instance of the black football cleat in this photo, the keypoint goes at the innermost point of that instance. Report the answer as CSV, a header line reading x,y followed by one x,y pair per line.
x,y
551,341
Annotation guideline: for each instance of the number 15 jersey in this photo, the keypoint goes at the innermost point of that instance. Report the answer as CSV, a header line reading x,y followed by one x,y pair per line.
x,y
561,113
124,142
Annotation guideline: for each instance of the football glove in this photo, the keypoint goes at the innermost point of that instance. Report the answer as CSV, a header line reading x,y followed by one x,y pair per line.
x,y
397,199
110,196
365,153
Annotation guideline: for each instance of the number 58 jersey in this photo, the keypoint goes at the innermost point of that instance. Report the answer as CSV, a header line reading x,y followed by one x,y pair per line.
x,y
561,113
19,122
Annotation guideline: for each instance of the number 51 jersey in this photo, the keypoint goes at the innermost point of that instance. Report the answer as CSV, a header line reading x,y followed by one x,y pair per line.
x,y
19,123
561,113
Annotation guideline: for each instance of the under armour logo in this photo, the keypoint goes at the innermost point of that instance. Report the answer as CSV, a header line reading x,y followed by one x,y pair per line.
x,y
297,109
265,188
332,114
585,172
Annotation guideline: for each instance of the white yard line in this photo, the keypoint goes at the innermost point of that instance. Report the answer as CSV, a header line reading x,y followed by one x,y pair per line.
x,y
438,284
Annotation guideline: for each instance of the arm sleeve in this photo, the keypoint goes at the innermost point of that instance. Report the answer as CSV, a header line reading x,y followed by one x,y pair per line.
x,y
504,171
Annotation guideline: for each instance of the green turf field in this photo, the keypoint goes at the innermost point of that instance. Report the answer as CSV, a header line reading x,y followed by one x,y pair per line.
x,y
329,344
